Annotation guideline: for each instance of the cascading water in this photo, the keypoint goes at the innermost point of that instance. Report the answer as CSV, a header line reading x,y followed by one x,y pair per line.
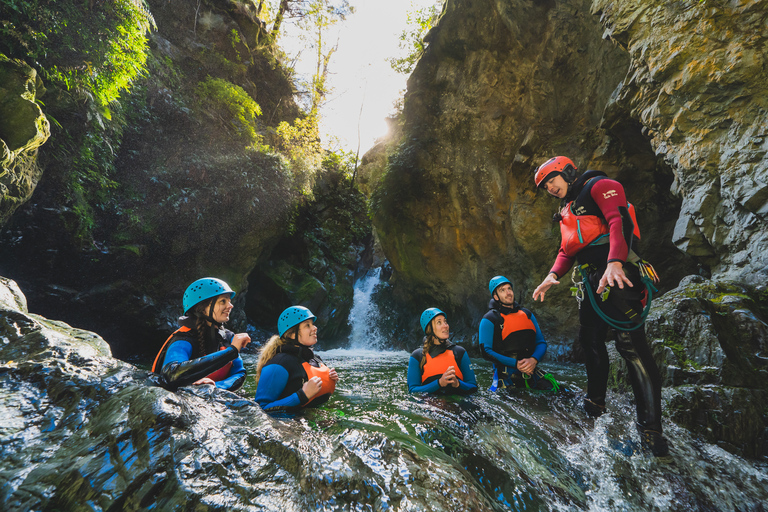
x,y
364,335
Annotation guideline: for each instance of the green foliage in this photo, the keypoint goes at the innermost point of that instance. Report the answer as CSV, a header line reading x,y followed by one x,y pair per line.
x,y
230,103
412,45
300,143
67,42
87,53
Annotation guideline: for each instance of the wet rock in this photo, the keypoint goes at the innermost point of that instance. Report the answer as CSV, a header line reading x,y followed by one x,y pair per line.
x,y
83,431
502,86
23,128
710,340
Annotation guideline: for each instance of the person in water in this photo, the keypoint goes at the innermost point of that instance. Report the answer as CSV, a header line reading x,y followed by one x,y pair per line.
x,y
511,339
439,366
201,350
599,231
289,376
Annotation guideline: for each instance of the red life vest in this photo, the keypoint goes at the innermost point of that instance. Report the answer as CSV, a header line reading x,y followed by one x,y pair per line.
x,y
437,366
579,231
223,372
220,374
328,384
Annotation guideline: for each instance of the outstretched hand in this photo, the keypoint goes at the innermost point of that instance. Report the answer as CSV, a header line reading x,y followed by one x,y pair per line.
x,y
613,276
541,290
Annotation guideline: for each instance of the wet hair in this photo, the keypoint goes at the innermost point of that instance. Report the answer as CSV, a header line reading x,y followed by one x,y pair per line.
x,y
272,347
200,313
430,340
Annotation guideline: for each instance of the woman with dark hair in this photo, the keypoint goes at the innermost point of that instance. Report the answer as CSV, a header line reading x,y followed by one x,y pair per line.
x,y
201,350
289,376
439,366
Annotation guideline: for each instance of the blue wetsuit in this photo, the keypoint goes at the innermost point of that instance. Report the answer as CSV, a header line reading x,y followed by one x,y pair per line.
x,y
506,335
454,356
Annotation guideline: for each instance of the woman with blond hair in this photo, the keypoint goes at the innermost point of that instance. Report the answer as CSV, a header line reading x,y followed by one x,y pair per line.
x,y
289,376
439,366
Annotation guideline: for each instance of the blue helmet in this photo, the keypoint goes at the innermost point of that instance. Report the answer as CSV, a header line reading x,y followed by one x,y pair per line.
x,y
428,315
203,289
292,316
496,282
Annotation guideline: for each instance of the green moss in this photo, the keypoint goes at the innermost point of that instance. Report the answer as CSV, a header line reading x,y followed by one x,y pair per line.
x,y
223,99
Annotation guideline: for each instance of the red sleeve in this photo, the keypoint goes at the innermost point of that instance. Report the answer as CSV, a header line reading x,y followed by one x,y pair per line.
x,y
563,264
609,196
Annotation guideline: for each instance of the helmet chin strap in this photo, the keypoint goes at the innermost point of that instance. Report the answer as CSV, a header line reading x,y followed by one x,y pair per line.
x,y
209,316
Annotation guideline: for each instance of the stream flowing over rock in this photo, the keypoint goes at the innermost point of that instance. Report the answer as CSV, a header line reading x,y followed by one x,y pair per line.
x,y
82,431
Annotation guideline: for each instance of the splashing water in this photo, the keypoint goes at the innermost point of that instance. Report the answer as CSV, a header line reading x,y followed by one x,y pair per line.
x,y
364,335
507,451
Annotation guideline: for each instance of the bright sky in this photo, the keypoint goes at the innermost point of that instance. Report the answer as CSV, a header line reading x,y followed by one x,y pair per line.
x,y
360,76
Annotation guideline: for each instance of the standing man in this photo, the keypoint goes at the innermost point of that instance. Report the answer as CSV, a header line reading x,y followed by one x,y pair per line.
x,y
511,339
597,227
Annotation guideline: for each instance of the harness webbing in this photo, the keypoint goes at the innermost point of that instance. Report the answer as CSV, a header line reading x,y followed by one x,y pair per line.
x,y
621,325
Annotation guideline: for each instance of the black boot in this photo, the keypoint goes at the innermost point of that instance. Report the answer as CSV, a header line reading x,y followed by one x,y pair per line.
x,y
653,441
593,409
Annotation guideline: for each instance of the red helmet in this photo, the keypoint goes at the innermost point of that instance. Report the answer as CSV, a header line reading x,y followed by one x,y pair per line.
x,y
560,165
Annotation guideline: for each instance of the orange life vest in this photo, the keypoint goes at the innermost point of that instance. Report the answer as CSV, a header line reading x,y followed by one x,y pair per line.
x,y
328,384
220,374
579,231
437,366
518,335
158,358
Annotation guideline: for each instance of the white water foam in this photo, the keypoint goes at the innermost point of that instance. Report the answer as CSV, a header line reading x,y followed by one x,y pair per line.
x,y
364,335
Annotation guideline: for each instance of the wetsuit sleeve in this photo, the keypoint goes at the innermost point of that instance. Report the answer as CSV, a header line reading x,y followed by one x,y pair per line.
x,y
271,385
563,264
178,370
236,376
609,196
486,343
469,384
541,343
414,379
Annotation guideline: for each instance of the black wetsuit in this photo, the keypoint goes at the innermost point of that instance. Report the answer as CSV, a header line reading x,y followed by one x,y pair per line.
x,y
631,345
283,376
182,363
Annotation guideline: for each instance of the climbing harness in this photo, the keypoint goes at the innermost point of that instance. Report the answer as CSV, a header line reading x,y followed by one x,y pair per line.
x,y
500,378
541,374
648,277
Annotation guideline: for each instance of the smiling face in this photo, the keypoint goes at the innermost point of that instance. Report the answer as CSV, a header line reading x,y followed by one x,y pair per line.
x,y
440,327
556,186
222,307
504,294
307,333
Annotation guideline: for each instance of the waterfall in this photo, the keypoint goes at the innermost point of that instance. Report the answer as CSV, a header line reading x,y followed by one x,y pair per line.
x,y
364,335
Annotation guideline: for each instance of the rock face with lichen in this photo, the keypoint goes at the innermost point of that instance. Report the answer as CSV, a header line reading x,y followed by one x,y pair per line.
x,y
668,98
23,129
502,86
